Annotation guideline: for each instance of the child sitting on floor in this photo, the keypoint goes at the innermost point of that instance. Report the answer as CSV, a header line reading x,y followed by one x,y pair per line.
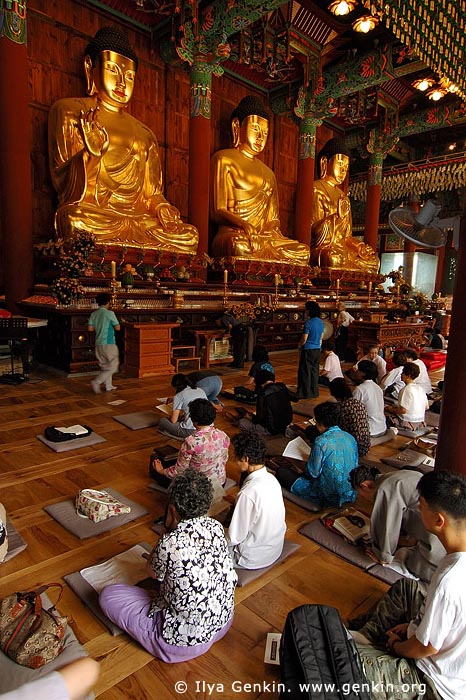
x,y
412,402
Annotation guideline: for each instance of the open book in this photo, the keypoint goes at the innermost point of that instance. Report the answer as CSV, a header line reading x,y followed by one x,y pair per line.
x,y
350,523
166,408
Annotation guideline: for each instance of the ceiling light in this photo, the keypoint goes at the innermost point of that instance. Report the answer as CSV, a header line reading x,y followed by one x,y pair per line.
x,y
452,146
423,84
342,7
436,93
365,24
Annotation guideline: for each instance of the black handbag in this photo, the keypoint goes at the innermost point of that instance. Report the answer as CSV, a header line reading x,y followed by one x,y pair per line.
x,y
54,435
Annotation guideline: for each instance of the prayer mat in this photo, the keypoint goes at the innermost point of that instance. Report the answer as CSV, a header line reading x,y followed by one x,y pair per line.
x,y
302,502
317,532
12,675
234,397
410,458
413,433
138,420
305,407
89,596
75,444
246,576
388,435
432,419
65,514
16,544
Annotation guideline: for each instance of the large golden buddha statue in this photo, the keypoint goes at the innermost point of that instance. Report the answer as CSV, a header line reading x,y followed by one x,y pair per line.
x,y
244,198
332,243
105,164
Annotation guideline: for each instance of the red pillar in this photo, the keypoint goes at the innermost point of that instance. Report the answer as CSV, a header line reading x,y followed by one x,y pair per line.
x,y
451,453
199,151
15,160
374,188
305,181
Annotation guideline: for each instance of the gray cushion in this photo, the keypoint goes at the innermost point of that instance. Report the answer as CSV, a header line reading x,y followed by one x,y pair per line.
x,y
90,597
432,419
302,502
245,576
138,420
65,514
413,433
405,458
76,444
16,544
12,675
317,532
229,483
389,435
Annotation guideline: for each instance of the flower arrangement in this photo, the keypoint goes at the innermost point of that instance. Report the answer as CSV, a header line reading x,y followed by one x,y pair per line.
x,y
398,280
72,264
263,312
418,302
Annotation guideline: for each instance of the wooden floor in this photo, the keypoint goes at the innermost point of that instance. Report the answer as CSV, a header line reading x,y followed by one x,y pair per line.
x,y
32,476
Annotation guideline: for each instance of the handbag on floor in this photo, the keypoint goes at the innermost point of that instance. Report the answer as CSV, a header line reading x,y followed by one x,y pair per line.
x,y
3,534
318,657
98,505
29,634
63,435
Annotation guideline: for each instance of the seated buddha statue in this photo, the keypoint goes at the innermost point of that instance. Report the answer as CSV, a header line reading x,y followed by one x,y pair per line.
x,y
244,197
105,163
332,243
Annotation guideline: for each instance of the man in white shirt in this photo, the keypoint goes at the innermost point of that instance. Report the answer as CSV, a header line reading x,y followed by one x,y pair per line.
x,y
423,379
371,395
410,412
257,529
424,632
332,367
391,383
373,356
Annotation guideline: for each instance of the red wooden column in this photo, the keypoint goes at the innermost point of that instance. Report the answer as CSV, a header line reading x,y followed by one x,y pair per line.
x,y
199,149
15,161
305,181
374,188
451,453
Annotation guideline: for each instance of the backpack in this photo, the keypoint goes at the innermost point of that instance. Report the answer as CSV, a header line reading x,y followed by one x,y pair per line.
x,y
55,435
318,657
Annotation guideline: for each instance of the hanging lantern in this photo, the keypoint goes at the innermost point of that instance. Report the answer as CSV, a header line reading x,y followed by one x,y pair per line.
x,y
365,24
341,7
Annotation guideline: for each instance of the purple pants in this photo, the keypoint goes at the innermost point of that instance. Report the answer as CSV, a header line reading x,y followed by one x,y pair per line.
x,y
128,607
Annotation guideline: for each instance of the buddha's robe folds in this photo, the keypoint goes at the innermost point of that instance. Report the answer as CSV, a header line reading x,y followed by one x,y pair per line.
x,y
332,243
248,189
118,196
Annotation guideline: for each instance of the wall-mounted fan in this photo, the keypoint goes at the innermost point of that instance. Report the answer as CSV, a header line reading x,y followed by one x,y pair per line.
x,y
419,227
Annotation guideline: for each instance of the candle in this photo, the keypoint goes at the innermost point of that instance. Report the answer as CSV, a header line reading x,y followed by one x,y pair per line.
x,y
338,283
276,280
370,287
225,277
113,269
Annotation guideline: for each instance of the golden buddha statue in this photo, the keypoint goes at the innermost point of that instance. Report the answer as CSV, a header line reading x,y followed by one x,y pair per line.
x,y
105,164
332,243
244,198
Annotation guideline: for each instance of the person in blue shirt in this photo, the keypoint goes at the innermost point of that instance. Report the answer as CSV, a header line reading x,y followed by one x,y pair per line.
x,y
333,455
310,343
260,359
104,322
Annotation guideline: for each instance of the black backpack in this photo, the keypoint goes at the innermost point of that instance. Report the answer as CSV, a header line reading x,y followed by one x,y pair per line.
x,y
318,657
54,435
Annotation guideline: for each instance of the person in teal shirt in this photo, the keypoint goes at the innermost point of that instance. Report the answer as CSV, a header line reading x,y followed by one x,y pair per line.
x,y
104,322
333,455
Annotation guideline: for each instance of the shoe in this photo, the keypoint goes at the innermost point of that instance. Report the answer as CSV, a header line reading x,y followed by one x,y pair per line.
x,y
111,388
96,388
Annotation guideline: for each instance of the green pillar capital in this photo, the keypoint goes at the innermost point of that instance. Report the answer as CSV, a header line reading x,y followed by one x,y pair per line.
x,y
13,20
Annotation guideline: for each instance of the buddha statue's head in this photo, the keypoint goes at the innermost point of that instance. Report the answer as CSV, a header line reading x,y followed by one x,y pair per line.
x,y
333,161
250,126
110,65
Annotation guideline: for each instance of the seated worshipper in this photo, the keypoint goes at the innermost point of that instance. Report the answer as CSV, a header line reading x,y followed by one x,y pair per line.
x,y
373,356
73,681
193,604
332,367
257,528
410,412
414,644
205,450
344,320
333,455
210,383
416,553
260,360
180,424
371,395
423,379
273,407
391,383
352,415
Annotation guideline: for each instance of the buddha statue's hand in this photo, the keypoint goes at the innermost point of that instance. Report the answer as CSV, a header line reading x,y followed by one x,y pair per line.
x,y
168,215
343,207
94,136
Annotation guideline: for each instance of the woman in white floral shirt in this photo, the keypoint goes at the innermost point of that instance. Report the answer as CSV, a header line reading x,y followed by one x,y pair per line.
x,y
194,603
